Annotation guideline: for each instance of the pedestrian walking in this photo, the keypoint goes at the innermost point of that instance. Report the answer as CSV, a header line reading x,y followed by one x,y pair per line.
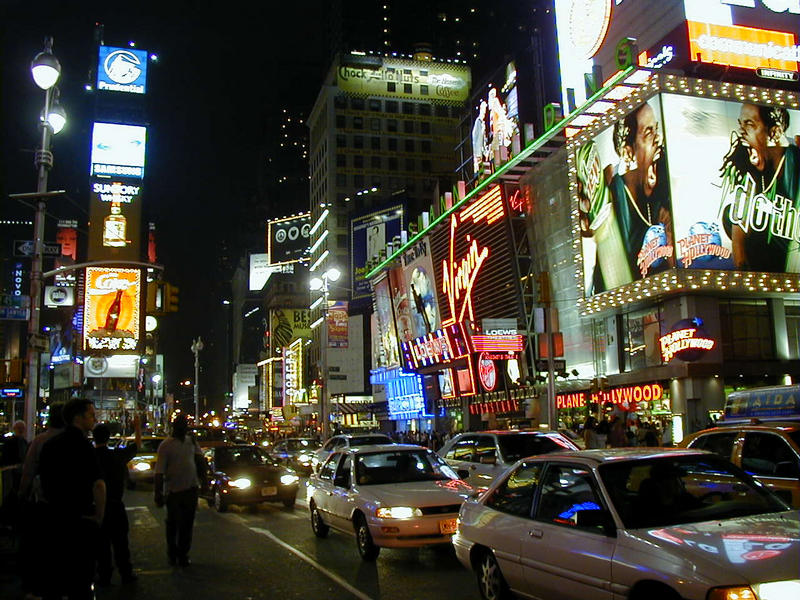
x,y
113,533
34,544
76,498
176,485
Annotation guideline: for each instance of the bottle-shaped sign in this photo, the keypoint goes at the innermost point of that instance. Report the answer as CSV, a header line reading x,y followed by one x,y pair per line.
x,y
112,317
114,227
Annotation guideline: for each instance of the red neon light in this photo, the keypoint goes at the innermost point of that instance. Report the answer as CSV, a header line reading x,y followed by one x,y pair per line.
x,y
680,340
498,343
630,394
496,406
576,400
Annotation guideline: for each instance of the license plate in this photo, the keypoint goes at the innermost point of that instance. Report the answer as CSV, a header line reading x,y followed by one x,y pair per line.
x,y
269,491
448,526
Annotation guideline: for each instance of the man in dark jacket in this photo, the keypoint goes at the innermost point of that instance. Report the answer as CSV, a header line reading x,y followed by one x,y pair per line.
x,y
114,530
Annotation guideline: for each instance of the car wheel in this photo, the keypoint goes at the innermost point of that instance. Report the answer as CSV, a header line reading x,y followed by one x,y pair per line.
x,y
366,547
317,524
220,504
491,582
289,501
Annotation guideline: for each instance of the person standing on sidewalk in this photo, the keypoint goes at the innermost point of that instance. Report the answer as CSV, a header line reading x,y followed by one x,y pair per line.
x,y
76,496
114,531
177,484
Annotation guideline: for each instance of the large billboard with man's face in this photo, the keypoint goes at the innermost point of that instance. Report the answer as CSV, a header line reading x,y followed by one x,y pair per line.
x,y
688,182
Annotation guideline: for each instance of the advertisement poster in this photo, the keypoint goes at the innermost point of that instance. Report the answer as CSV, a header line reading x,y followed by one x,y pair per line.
x,y
112,309
338,324
369,235
287,239
118,150
122,70
495,130
115,220
390,355
735,179
288,325
421,289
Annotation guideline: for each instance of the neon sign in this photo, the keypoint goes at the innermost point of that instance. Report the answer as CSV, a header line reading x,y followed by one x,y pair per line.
x,y
438,347
574,400
509,344
459,275
628,395
745,47
496,406
487,372
687,340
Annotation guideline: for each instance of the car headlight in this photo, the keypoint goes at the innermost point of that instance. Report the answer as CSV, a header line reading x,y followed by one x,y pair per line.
x,y
397,512
778,590
738,592
142,466
242,483
304,459
289,479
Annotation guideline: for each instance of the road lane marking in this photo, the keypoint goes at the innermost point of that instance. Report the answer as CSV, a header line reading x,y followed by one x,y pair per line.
x,y
140,517
329,574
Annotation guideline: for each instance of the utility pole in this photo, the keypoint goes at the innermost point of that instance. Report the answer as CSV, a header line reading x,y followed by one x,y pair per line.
x,y
197,346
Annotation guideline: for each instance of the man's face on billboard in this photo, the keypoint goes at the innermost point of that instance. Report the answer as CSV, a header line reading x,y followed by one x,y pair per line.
x,y
647,147
753,132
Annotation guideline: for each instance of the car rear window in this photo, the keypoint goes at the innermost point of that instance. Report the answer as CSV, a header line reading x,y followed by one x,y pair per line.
x,y
513,447
370,441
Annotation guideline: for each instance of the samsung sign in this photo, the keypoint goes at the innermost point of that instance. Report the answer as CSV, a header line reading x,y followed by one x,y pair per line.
x,y
122,70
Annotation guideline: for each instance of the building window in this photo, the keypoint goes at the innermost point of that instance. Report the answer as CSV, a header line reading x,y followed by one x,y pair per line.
x,y
746,329
792,309
409,145
341,180
642,330
341,241
425,127
407,89
374,105
425,109
358,122
408,126
375,143
358,141
426,166
391,86
357,103
341,141
341,220
408,108
391,106
426,146
441,111
358,161
393,163
392,144
358,181
340,102
375,124
340,122
410,166
375,162
391,125
423,90
341,160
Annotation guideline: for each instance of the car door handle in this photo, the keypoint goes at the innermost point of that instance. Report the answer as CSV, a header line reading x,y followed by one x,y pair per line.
x,y
537,533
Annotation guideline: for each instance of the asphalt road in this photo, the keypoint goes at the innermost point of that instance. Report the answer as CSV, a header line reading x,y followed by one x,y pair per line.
x,y
268,552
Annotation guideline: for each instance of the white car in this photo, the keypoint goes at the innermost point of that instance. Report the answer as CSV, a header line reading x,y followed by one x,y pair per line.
x,y
653,524
343,441
397,496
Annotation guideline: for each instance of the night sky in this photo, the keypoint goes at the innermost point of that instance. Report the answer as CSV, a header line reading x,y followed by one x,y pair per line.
x,y
225,69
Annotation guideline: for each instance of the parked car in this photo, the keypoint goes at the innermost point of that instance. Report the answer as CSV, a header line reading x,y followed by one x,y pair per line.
x,y
245,474
297,453
639,524
344,441
142,467
210,437
396,496
767,450
487,454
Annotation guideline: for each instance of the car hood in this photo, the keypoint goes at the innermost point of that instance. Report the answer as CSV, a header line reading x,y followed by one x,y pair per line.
x,y
418,493
254,471
754,549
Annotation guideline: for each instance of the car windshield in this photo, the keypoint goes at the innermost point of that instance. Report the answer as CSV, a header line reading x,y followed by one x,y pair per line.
x,y
150,445
227,457
519,445
665,491
401,467
302,445
372,440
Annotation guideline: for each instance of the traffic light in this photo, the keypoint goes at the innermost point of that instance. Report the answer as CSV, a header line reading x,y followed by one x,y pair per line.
x,y
170,298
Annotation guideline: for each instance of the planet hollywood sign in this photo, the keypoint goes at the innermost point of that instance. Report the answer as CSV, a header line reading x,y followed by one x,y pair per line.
x,y
687,341
629,396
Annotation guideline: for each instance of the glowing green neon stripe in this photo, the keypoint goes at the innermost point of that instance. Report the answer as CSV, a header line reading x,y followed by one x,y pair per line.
x,y
529,149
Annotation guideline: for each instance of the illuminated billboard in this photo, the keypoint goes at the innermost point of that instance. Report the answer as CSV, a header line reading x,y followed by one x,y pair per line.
x,y
369,235
495,131
287,325
287,239
407,79
388,350
115,208
730,199
420,285
122,70
112,310
118,150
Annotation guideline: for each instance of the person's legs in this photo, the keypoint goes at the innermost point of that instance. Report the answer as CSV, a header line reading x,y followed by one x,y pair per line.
x,y
186,524
119,541
173,512
104,568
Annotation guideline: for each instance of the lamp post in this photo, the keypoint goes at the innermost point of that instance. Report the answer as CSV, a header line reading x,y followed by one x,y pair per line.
x,y
46,70
321,284
197,346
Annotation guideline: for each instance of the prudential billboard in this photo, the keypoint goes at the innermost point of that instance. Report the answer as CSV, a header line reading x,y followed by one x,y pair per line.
x,y
122,70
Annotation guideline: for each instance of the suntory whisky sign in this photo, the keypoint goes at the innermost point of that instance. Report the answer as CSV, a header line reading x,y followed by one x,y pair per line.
x,y
115,219
112,310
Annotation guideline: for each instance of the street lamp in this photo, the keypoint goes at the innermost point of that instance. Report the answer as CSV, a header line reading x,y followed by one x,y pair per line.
x,y
45,70
320,283
197,346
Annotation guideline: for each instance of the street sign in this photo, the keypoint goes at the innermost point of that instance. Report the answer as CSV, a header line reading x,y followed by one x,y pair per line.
x,y
558,365
13,313
25,248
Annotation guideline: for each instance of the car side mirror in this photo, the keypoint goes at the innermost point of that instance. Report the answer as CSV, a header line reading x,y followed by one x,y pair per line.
x,y
596,519
488,460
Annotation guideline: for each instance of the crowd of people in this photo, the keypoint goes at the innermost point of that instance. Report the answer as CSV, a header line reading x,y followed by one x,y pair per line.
x,y
618,432
67,502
